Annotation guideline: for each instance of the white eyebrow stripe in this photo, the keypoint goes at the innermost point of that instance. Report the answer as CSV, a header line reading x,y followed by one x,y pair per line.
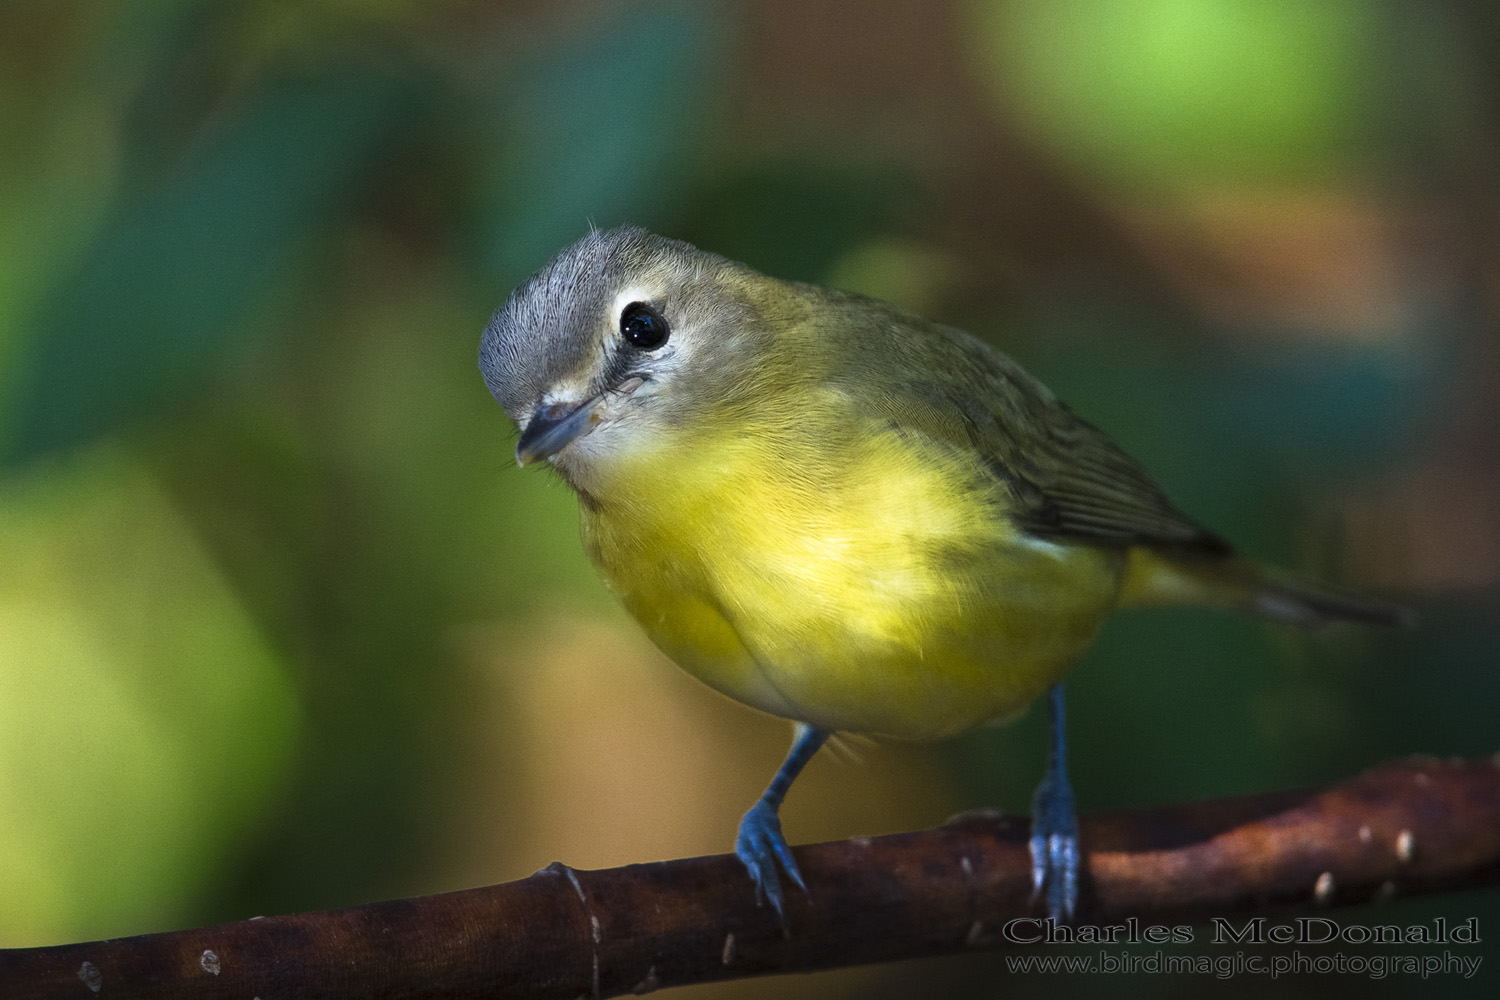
x,y
633,293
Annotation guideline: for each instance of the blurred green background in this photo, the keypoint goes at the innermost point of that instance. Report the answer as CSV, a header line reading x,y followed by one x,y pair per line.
x,y
281,625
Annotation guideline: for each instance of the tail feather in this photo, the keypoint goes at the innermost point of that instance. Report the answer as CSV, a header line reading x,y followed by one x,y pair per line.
x,y
1156,577
1303,602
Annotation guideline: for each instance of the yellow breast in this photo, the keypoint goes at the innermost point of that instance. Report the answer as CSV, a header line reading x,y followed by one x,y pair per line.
x,y
860,578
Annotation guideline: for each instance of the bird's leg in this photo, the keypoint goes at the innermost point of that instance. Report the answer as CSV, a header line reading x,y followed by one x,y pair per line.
x,y
760,844
1055,857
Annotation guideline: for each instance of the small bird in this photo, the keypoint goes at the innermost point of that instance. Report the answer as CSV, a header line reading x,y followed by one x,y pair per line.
x,y
838,512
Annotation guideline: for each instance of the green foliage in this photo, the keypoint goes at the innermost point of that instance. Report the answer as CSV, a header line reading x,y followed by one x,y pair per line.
x,y
564,158
1167,94
162,296
147,719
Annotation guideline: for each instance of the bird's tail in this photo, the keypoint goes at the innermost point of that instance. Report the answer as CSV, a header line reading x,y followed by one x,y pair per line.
x,y
1156,577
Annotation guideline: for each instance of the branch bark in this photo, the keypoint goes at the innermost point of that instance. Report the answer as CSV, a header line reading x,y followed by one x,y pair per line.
x,y
1414,826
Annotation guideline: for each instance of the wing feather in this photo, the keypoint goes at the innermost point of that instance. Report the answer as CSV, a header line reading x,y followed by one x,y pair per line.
x,y
1067,478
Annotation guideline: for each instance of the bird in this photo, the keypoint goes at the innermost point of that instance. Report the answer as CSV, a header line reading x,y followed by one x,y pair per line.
x,y
838,512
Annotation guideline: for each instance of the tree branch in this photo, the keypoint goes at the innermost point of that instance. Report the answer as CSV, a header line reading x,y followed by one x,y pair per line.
x,y
1414,826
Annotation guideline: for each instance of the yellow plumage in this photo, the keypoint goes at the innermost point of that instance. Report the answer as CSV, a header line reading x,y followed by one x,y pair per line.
x,y
876,586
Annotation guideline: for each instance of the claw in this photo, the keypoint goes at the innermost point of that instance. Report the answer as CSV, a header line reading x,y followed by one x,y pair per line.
x,y
1055,857
1055,861
761,847
1038,864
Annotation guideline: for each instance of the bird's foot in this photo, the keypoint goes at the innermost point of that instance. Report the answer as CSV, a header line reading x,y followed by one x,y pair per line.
x,y
1055,857
762,849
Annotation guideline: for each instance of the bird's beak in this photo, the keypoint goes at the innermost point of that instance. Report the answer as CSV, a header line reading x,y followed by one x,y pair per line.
x,y
554,426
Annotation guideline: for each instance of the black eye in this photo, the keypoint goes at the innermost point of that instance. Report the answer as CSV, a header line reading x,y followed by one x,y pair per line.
x,y
643,327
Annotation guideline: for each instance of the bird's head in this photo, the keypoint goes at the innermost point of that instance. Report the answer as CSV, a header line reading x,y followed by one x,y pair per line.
x,y
622,336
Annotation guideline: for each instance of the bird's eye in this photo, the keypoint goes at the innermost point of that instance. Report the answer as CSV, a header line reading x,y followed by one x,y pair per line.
x,y
643,327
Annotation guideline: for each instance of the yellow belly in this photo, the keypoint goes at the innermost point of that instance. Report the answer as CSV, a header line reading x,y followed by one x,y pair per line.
x,y
870,585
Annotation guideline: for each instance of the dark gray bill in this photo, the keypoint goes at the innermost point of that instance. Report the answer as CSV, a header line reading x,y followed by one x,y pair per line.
x,y
552,428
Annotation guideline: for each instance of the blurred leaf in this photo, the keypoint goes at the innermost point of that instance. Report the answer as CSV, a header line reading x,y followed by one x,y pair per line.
x,y
144,721
1201,421
184,75
794,221
1168,91
164,293
599,128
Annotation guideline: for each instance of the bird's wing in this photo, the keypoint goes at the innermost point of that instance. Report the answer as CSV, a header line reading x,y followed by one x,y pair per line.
x,y
1066,477
1070,480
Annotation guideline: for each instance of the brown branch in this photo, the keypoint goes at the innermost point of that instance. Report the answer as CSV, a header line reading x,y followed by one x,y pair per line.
x,y
1415,826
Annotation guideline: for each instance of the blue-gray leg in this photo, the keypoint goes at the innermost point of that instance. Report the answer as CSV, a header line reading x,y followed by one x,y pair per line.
x,y
1055,858
760,844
